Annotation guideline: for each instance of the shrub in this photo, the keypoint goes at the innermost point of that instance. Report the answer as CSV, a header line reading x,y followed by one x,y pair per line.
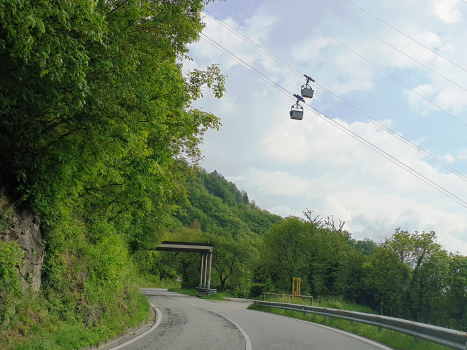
x,y
256,290
11,256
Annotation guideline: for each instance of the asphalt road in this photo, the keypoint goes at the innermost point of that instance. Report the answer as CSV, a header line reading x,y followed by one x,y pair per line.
x,y
190,323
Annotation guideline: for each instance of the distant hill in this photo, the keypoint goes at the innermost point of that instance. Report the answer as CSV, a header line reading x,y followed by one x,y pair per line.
x,y
219,207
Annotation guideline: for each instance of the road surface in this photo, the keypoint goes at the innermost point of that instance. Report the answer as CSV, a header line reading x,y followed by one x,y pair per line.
x,y
189,323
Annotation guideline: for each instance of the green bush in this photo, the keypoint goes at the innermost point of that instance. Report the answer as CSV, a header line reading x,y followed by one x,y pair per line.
x,y
11,256
256,290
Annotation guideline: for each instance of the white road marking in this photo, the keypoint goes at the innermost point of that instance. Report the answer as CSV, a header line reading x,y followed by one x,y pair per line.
x,y
158,322
245,335
359,337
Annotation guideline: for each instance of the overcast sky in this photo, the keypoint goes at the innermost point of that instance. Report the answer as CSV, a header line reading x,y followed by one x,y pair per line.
x,y
287,166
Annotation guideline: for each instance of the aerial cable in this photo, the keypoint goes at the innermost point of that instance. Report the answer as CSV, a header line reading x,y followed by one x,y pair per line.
x,y
340,100
397,30
374,65
395,48
338,125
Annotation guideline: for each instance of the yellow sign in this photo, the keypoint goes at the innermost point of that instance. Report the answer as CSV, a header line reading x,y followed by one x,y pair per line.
x,y
296,286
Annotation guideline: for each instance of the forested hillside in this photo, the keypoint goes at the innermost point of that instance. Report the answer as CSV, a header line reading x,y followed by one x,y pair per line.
x,y
97,137
407,275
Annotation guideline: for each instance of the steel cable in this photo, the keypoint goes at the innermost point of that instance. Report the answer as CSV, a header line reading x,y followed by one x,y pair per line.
x,y
338,125
407,36
374,65
337,98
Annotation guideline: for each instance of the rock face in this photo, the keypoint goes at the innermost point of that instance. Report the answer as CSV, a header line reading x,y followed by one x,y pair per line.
x,y
24,228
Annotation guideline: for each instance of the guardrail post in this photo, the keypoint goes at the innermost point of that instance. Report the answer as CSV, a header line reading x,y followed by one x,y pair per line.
x,y
264,296
418,331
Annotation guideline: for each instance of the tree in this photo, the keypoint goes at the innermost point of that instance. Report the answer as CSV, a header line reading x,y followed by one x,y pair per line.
x,y
285,248
229,258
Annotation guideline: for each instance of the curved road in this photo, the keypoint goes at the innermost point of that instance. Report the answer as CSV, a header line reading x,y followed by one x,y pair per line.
x,y
189,323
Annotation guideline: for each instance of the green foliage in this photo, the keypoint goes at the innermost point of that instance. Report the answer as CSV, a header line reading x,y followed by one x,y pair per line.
x,y
256,290
393,339
98,136
11,256
7,213
284,248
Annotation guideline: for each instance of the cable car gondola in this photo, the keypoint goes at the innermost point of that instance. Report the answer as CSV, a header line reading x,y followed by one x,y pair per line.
x,y
296,112
307,91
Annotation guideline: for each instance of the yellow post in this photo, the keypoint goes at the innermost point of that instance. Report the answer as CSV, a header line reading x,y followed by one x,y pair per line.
x,y
299,292
293,286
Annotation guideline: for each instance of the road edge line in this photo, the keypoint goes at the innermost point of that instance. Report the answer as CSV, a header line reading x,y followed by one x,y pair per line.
x,y
158,322
245,335
353,335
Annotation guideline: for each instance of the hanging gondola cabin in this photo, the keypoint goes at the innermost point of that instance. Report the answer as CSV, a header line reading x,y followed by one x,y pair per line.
x,y
307,91
296,112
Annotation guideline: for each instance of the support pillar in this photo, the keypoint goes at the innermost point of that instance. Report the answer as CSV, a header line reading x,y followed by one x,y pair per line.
x,y
201,273
210,267
205,270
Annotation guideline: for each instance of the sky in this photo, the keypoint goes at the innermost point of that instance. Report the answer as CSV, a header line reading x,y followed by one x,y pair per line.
x,y
288,166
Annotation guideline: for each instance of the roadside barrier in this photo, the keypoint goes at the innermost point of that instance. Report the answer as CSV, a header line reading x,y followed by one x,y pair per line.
x,y
439,335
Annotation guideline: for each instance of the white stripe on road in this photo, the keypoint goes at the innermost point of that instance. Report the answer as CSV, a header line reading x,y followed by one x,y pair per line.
x,y
352,335
247,338
245,335
158,322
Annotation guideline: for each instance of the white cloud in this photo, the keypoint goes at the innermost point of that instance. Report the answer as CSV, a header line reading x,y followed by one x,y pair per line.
x,y
342,177
446,10
419,104
288,166
448,158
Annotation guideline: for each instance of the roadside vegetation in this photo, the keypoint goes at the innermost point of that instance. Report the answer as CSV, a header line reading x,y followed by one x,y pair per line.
x,y
193,292
405,275
392,339
97,137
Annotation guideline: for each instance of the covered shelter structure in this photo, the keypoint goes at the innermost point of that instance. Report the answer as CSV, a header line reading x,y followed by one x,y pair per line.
x,y
205,251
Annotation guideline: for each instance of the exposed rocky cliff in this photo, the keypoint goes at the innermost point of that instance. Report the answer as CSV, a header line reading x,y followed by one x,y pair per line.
x,y
24,228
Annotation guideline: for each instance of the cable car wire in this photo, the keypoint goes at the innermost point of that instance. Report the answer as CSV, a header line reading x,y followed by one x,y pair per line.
x,y
395,48
374,65
340,100
338,125
407,36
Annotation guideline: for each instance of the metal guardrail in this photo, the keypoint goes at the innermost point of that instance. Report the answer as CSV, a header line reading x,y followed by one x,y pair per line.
x,y
288,295
443,336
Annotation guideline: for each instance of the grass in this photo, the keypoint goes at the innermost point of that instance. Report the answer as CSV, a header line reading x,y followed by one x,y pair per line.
x,y
190,291
392,339
187,291
38,329
151,281
218,296
333,303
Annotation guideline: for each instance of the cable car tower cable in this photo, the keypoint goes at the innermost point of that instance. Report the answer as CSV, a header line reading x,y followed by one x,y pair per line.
x,y
395,48
407,36
340,100
338,125
374,65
